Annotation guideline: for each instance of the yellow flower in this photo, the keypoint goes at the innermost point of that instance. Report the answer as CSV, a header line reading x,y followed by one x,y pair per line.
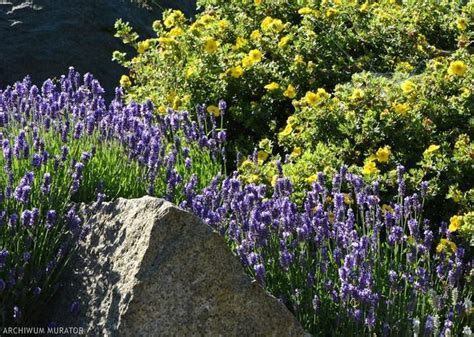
x,y
455,223
274,180
296,152
408,86
224,24
370,168
270,23
166,40
262,156
299,59
169,21
253,179
331,12
255,35
277,25
206,19
196,26
401,108
312,98
290,91
143,46
461,23
432,148
175,32
305,11
162,109
253,57
210,45
445,244
284,41
357,93
457,68
287,131
246,164
258,2
174,18
265,25
311,179
125,81
383,154
236,72
272,86
441,246
364,7
212,109
247,62
239,43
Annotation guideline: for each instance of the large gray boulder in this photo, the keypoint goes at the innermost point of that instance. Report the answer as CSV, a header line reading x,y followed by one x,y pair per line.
x,y
42,38
149,268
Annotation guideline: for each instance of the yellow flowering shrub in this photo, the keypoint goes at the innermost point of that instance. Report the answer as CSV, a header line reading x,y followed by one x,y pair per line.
x,y
376,122
236,51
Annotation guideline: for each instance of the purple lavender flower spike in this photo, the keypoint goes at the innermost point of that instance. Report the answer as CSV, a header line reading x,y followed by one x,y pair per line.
x,y
260,273
50,218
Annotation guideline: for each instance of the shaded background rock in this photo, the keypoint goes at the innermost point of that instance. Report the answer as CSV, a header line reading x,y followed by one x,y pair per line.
x,y
148,268
42,38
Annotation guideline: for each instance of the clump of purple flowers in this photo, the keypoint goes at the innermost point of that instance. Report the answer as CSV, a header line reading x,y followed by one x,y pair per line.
x,y
60,145
343,261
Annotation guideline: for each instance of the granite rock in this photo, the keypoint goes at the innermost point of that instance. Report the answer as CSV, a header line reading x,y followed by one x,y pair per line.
x,y
148,268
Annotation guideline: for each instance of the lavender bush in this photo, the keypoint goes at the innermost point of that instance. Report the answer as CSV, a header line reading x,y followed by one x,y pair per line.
x,y
62,145
345,263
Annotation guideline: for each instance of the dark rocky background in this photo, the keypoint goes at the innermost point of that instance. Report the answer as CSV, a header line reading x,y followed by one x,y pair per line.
x,y
42,38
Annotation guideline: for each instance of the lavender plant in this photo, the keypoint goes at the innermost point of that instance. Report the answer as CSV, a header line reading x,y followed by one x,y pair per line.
x,y
62,145
345,263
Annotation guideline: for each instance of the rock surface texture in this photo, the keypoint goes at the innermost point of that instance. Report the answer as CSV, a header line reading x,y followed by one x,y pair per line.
x,y
42,38
148,268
